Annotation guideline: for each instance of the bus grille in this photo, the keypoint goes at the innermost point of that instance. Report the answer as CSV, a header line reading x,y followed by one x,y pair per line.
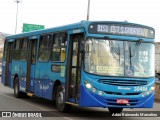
x,y
123,82
118,93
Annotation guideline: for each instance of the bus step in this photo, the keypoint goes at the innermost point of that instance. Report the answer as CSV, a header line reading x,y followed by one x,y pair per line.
x,y
30,94
74,104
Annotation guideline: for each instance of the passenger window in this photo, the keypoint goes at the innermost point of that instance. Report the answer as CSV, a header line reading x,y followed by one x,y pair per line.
x,y
44,47
24,43
59,47
17,44
16,52
24,49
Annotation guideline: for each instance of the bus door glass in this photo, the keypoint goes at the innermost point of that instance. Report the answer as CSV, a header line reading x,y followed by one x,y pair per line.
x,y
31,65
8,66
74,66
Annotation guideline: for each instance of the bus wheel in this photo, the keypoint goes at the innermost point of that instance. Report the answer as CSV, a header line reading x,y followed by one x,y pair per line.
x,y
115,110
60,100
17,93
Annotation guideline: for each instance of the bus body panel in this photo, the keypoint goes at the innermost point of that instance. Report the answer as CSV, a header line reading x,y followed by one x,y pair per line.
x,y
45,79
32,78
41,74
38,87
10,76
47,89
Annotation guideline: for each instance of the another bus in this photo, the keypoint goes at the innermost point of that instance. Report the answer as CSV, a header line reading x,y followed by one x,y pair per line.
x,y
89,64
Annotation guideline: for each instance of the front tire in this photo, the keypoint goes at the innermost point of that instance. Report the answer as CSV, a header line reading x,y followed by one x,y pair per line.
x,y
60,100
115,110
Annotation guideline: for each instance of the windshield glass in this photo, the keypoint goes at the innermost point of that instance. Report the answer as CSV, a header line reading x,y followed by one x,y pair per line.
x,y
119,58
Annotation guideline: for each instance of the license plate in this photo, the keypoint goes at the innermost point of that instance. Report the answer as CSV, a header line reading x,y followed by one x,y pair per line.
x,y
122,101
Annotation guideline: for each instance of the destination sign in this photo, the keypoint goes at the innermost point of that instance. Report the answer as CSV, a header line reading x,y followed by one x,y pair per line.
x,y
122,29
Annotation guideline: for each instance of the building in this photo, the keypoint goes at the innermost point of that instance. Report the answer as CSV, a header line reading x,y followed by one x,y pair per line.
x,y
2,39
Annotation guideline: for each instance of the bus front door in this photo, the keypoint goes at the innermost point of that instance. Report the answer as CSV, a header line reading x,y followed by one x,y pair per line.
x,y
31,66
74,67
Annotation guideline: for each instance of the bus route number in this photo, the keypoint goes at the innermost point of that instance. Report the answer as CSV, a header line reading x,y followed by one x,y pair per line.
x,y
102,28
140,89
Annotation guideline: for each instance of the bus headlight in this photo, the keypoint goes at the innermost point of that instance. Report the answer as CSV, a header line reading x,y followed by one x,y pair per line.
x,y
143,94
100,93
93,89
152,88
88,85
148,92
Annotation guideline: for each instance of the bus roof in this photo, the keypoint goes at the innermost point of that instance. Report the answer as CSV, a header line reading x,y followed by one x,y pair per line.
x,y
83,24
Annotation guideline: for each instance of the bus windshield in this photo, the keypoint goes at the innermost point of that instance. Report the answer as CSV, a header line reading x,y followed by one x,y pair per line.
x,y
119,58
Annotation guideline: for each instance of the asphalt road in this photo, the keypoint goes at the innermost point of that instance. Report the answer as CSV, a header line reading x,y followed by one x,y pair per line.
x,y
34,105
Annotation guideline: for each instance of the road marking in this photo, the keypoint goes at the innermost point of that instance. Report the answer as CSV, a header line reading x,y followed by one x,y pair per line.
x,y
33,105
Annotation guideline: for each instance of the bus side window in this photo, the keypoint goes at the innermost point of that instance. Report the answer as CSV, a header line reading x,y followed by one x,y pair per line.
x,y
59,47
16,52
44,47
24,49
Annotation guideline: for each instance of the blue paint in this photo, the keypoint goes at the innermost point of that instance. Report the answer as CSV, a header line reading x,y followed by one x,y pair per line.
x,y
47,89
38,88
32,75
10,82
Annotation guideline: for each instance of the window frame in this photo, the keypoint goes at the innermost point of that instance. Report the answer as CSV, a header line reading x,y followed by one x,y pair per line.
x,y
16,50
22,50
46,48
60,46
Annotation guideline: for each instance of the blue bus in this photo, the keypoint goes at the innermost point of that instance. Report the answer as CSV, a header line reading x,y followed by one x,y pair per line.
x,y
90,64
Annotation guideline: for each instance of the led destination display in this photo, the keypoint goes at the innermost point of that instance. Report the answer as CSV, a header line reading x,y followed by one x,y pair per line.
x,y
122,29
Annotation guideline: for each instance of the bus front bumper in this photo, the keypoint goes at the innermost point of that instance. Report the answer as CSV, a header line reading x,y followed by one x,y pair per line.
x,y
93,99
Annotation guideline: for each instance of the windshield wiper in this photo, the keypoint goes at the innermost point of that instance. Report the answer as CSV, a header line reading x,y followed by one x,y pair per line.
x,y
130,56
136,47
116,50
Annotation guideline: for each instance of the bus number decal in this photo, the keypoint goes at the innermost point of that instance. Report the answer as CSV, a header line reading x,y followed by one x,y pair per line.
x,y
140,89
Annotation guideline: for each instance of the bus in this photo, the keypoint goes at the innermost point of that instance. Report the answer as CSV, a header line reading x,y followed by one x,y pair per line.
x,y
105,64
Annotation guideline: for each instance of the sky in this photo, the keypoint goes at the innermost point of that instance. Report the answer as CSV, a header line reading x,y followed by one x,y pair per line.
x,y
52,13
